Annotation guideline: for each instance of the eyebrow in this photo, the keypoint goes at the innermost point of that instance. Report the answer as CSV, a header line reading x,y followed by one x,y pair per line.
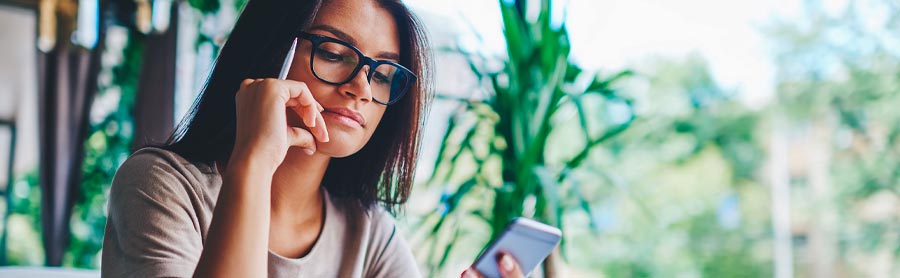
x,y
347,38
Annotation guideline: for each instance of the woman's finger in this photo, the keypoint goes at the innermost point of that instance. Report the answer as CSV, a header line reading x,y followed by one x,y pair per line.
x,y
303,102
302,138
320,130
314,115
508,266
309,116
246,83
300,92
470,273
317,127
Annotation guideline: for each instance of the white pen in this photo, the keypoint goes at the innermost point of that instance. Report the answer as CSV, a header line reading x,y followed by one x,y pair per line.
x,y
287,61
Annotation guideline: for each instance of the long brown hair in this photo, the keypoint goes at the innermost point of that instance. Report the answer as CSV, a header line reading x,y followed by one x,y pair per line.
x,y
382,171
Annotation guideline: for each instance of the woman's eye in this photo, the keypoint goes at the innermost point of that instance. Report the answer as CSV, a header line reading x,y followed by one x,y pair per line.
x,y
329,56
381,78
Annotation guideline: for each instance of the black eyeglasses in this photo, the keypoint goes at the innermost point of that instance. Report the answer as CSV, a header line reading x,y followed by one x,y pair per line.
x,y
336,62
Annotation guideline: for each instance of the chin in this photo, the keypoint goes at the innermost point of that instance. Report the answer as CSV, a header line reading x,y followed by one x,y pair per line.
x,y
338,147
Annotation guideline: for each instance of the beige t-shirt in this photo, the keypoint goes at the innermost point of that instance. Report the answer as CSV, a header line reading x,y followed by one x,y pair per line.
x,y
160,207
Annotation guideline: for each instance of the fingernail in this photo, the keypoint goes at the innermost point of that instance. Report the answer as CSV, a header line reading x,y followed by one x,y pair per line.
x,y
308,151
313,121
468,273
506,263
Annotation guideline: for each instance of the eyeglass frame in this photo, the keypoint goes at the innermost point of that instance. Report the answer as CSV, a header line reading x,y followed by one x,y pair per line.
x,y
364,60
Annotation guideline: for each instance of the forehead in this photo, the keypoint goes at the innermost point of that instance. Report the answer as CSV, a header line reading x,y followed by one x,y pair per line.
x,y
369,27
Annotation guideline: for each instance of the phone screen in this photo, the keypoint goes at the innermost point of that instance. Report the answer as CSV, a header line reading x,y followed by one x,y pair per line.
x,y
528,241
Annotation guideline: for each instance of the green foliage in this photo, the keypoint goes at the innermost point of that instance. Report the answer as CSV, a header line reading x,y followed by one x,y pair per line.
x,y
839,72
722,252
205,6
625,172
497,161
678,192
24,221
707,113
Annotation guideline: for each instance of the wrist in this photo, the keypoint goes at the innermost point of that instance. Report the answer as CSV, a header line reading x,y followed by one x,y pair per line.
x,y
244,162
244,181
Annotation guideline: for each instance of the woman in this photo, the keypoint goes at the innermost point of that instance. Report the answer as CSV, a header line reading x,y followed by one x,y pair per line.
x,y
285,178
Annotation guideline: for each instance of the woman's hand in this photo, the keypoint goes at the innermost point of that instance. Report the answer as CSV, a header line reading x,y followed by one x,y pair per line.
x,y
237,241
263,136
507,265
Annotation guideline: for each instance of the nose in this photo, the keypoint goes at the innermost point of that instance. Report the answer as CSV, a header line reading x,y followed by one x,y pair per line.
x,y
358,87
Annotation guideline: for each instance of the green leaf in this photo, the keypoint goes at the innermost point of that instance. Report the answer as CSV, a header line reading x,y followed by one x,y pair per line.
x,y
205,6
602,86
582,117
518,41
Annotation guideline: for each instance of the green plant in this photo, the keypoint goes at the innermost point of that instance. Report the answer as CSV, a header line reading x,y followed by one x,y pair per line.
x,y
24,221
497,160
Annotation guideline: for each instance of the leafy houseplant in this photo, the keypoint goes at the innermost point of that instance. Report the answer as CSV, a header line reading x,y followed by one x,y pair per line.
x,y
498,160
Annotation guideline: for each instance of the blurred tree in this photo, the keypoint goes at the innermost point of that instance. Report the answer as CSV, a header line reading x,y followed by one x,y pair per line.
x,y
679,192
839,83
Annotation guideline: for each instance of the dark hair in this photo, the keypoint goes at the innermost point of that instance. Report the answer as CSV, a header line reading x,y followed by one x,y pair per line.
x,y
382,171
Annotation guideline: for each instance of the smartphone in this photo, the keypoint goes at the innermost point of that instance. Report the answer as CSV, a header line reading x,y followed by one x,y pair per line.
x,y
528,241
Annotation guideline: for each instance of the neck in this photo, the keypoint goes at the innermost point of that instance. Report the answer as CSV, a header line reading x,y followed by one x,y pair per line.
x,y
296,185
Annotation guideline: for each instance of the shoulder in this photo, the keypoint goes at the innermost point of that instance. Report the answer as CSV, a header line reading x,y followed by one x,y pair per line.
x,y
372,227
158,214
160,174
374,219
155,163
383,220
390,254
151,160
385,250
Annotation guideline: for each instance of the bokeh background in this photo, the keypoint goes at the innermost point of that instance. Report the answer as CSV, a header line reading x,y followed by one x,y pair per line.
x,y
694,138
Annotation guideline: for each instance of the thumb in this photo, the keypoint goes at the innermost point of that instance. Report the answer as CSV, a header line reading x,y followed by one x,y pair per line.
x,y
298,137
509,268
247,82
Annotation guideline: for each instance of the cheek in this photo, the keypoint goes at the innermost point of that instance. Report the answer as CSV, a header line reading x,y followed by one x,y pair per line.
x,y
320,91
300,72
373,117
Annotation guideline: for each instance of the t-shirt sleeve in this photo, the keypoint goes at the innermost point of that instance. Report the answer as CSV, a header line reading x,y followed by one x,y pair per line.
x,y
393,256
152,229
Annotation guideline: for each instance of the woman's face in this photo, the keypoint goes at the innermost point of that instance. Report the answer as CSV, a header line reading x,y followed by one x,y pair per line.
x,y
373,31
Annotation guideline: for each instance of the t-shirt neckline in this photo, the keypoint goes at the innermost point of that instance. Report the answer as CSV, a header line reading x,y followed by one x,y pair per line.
x,y
328,210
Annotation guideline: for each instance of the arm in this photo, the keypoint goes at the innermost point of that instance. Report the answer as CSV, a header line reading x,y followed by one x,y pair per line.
x,y
237,244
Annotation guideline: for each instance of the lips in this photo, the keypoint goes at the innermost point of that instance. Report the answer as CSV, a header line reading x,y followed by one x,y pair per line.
x,y
348,113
